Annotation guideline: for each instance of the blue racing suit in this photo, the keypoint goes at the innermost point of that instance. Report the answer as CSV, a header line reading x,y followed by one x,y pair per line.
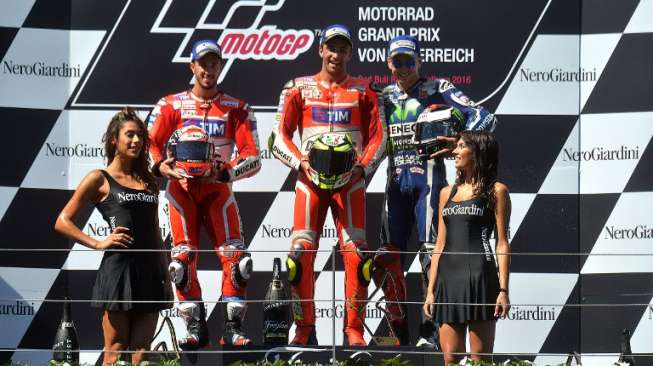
x,y
413,185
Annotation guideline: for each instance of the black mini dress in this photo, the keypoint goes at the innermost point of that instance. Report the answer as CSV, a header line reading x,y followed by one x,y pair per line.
x,y
467,278
126,275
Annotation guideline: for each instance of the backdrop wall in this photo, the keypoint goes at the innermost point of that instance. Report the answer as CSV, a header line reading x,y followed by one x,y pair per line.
x,y
568,80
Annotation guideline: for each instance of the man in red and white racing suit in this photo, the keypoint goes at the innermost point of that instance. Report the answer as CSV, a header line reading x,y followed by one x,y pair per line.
x,y
331,101
207,200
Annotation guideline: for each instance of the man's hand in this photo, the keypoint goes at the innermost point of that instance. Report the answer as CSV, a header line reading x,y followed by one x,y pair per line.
x,y
166,168
448,144
305,168
218,175
357,173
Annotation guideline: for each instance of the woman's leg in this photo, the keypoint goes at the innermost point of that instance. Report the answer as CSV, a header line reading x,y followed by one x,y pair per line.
x,y
143,326
481,339
115,326
452,340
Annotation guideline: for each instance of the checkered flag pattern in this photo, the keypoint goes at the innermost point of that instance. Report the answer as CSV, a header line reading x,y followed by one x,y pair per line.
x,y
575,126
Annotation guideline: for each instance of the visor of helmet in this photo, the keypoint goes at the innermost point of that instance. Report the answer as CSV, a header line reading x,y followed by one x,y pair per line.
x,y
438,120
192,151
330,161
428,131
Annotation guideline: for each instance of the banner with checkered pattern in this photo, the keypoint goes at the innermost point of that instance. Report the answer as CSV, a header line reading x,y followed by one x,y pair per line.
x,y
568,80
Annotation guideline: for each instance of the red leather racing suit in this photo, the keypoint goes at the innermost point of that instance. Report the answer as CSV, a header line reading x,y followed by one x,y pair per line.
x,y
228,122
310,105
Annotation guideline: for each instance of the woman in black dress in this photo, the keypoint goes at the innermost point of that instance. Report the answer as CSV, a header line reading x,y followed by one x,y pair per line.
x,y
470,210
127,197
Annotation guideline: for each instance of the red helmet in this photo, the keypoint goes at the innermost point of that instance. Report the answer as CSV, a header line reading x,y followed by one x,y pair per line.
x,y
192,149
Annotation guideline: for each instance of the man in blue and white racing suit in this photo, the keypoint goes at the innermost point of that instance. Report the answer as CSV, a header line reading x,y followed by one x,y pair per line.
x,y
413,184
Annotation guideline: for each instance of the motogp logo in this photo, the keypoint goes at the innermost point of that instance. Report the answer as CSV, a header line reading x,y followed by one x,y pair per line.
x,y
254,42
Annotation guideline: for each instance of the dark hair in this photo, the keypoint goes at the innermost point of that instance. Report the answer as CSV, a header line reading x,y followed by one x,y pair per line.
x,y
485,163
140,167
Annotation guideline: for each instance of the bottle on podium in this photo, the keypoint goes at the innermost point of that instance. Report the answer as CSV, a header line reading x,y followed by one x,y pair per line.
x,y
66,345
626,356
276,310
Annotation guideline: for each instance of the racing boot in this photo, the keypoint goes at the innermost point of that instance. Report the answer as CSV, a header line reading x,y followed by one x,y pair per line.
x,y
358,274
304,336
428,331
233,333
400,330
194,315
389,276
301,277
354,337
428,336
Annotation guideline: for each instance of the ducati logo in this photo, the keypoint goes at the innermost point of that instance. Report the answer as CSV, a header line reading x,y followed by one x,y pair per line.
x,y
254,42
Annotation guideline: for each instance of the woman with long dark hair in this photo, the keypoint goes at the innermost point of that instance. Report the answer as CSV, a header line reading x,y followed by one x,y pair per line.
x,y
467,288
126,195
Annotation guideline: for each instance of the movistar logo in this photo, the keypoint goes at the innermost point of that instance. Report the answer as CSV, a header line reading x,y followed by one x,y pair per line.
x,y
408,112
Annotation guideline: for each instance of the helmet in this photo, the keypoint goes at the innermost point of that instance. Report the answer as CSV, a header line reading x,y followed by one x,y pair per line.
x,y
332,156
436,120
193,151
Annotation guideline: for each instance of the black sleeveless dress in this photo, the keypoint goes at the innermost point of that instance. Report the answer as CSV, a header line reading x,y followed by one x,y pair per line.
x,y
466,278
140,276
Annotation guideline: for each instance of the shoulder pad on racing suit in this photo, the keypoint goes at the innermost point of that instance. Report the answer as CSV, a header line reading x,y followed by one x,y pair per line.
x,y
476,117
434,86
281,149
376,87
289,84
374,151
387,91
277,116
160,126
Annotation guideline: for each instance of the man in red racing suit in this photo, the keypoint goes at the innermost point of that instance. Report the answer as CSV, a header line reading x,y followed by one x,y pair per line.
x,y
331,101
207,200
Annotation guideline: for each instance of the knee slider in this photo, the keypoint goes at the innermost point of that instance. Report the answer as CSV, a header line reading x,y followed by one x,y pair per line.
x,y
178,274
240,262
365,261
242,271
384,256
296,260
183,253
387,263
178,268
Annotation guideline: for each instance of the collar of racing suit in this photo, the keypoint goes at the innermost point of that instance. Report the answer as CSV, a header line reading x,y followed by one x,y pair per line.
x,y
205,102
413,87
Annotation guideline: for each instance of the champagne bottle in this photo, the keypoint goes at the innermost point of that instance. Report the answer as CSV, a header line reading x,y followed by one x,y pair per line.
x,y
66,345
276,310
626,356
